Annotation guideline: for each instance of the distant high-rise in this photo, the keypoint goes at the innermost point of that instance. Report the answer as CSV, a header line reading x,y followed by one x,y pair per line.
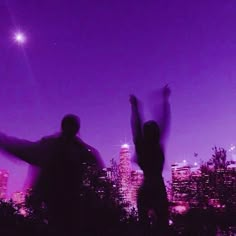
x,y
180,178
18,197
184,177
210,185
232,153
129,180
124,172
136,181
3,183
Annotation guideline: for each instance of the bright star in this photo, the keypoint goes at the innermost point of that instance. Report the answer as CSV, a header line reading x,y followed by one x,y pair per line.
x,y
20,38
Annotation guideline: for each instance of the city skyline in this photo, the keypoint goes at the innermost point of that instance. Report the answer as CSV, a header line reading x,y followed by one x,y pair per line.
x,y
186,179
24,184
25,180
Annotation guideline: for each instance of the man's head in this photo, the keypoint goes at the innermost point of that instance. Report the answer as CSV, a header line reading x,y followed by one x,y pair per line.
x,y
70,125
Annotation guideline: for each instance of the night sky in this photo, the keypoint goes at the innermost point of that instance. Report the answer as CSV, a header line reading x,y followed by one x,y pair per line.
x,y
87,56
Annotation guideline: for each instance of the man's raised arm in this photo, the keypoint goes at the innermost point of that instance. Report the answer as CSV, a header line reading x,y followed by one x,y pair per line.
x,y
23,149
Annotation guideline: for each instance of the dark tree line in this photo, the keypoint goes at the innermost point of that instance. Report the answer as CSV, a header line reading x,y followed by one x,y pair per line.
x,y
105,214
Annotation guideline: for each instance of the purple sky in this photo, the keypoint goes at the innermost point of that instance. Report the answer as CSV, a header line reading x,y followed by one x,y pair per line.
x,y
87,56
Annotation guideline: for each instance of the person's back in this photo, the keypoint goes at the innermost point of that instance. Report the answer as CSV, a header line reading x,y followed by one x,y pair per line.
x,y
151,160
61,177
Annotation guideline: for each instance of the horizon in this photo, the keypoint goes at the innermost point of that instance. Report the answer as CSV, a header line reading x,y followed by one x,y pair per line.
x,y
25,181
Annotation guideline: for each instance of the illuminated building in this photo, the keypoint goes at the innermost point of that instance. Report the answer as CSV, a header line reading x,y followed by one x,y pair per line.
x,y
108,173
184,185
232,153
136,181
113,172
18,197
231,181
180,178
3,183
124,172
124,178
129,180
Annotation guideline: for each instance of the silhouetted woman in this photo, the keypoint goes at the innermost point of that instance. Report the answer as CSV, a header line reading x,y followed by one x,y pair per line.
x,y
148,138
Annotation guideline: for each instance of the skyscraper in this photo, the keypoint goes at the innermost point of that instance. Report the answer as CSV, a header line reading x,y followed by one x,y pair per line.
x,y
125,172
180,178
3,183
232,153
130,180
136,181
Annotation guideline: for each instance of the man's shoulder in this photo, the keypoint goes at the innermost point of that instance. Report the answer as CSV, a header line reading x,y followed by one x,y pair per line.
x,y
92,154
83,145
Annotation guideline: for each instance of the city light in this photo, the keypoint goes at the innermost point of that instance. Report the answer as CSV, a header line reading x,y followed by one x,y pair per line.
x,y
125,145
232,147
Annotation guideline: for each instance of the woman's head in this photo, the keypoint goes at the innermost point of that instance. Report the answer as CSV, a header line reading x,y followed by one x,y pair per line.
x,y
151,131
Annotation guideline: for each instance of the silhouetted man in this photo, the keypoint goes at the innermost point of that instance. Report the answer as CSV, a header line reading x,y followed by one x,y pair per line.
x,y
62,160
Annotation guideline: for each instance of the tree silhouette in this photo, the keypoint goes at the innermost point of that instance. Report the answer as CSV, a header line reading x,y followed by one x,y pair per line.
x,y
219,158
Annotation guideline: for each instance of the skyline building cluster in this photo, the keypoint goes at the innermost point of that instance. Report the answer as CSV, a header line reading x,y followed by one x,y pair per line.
x,y
17,197
194,185
185,177
180,173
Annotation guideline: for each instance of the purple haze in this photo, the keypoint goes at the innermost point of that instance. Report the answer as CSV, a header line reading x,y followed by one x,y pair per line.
x,y
87,56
